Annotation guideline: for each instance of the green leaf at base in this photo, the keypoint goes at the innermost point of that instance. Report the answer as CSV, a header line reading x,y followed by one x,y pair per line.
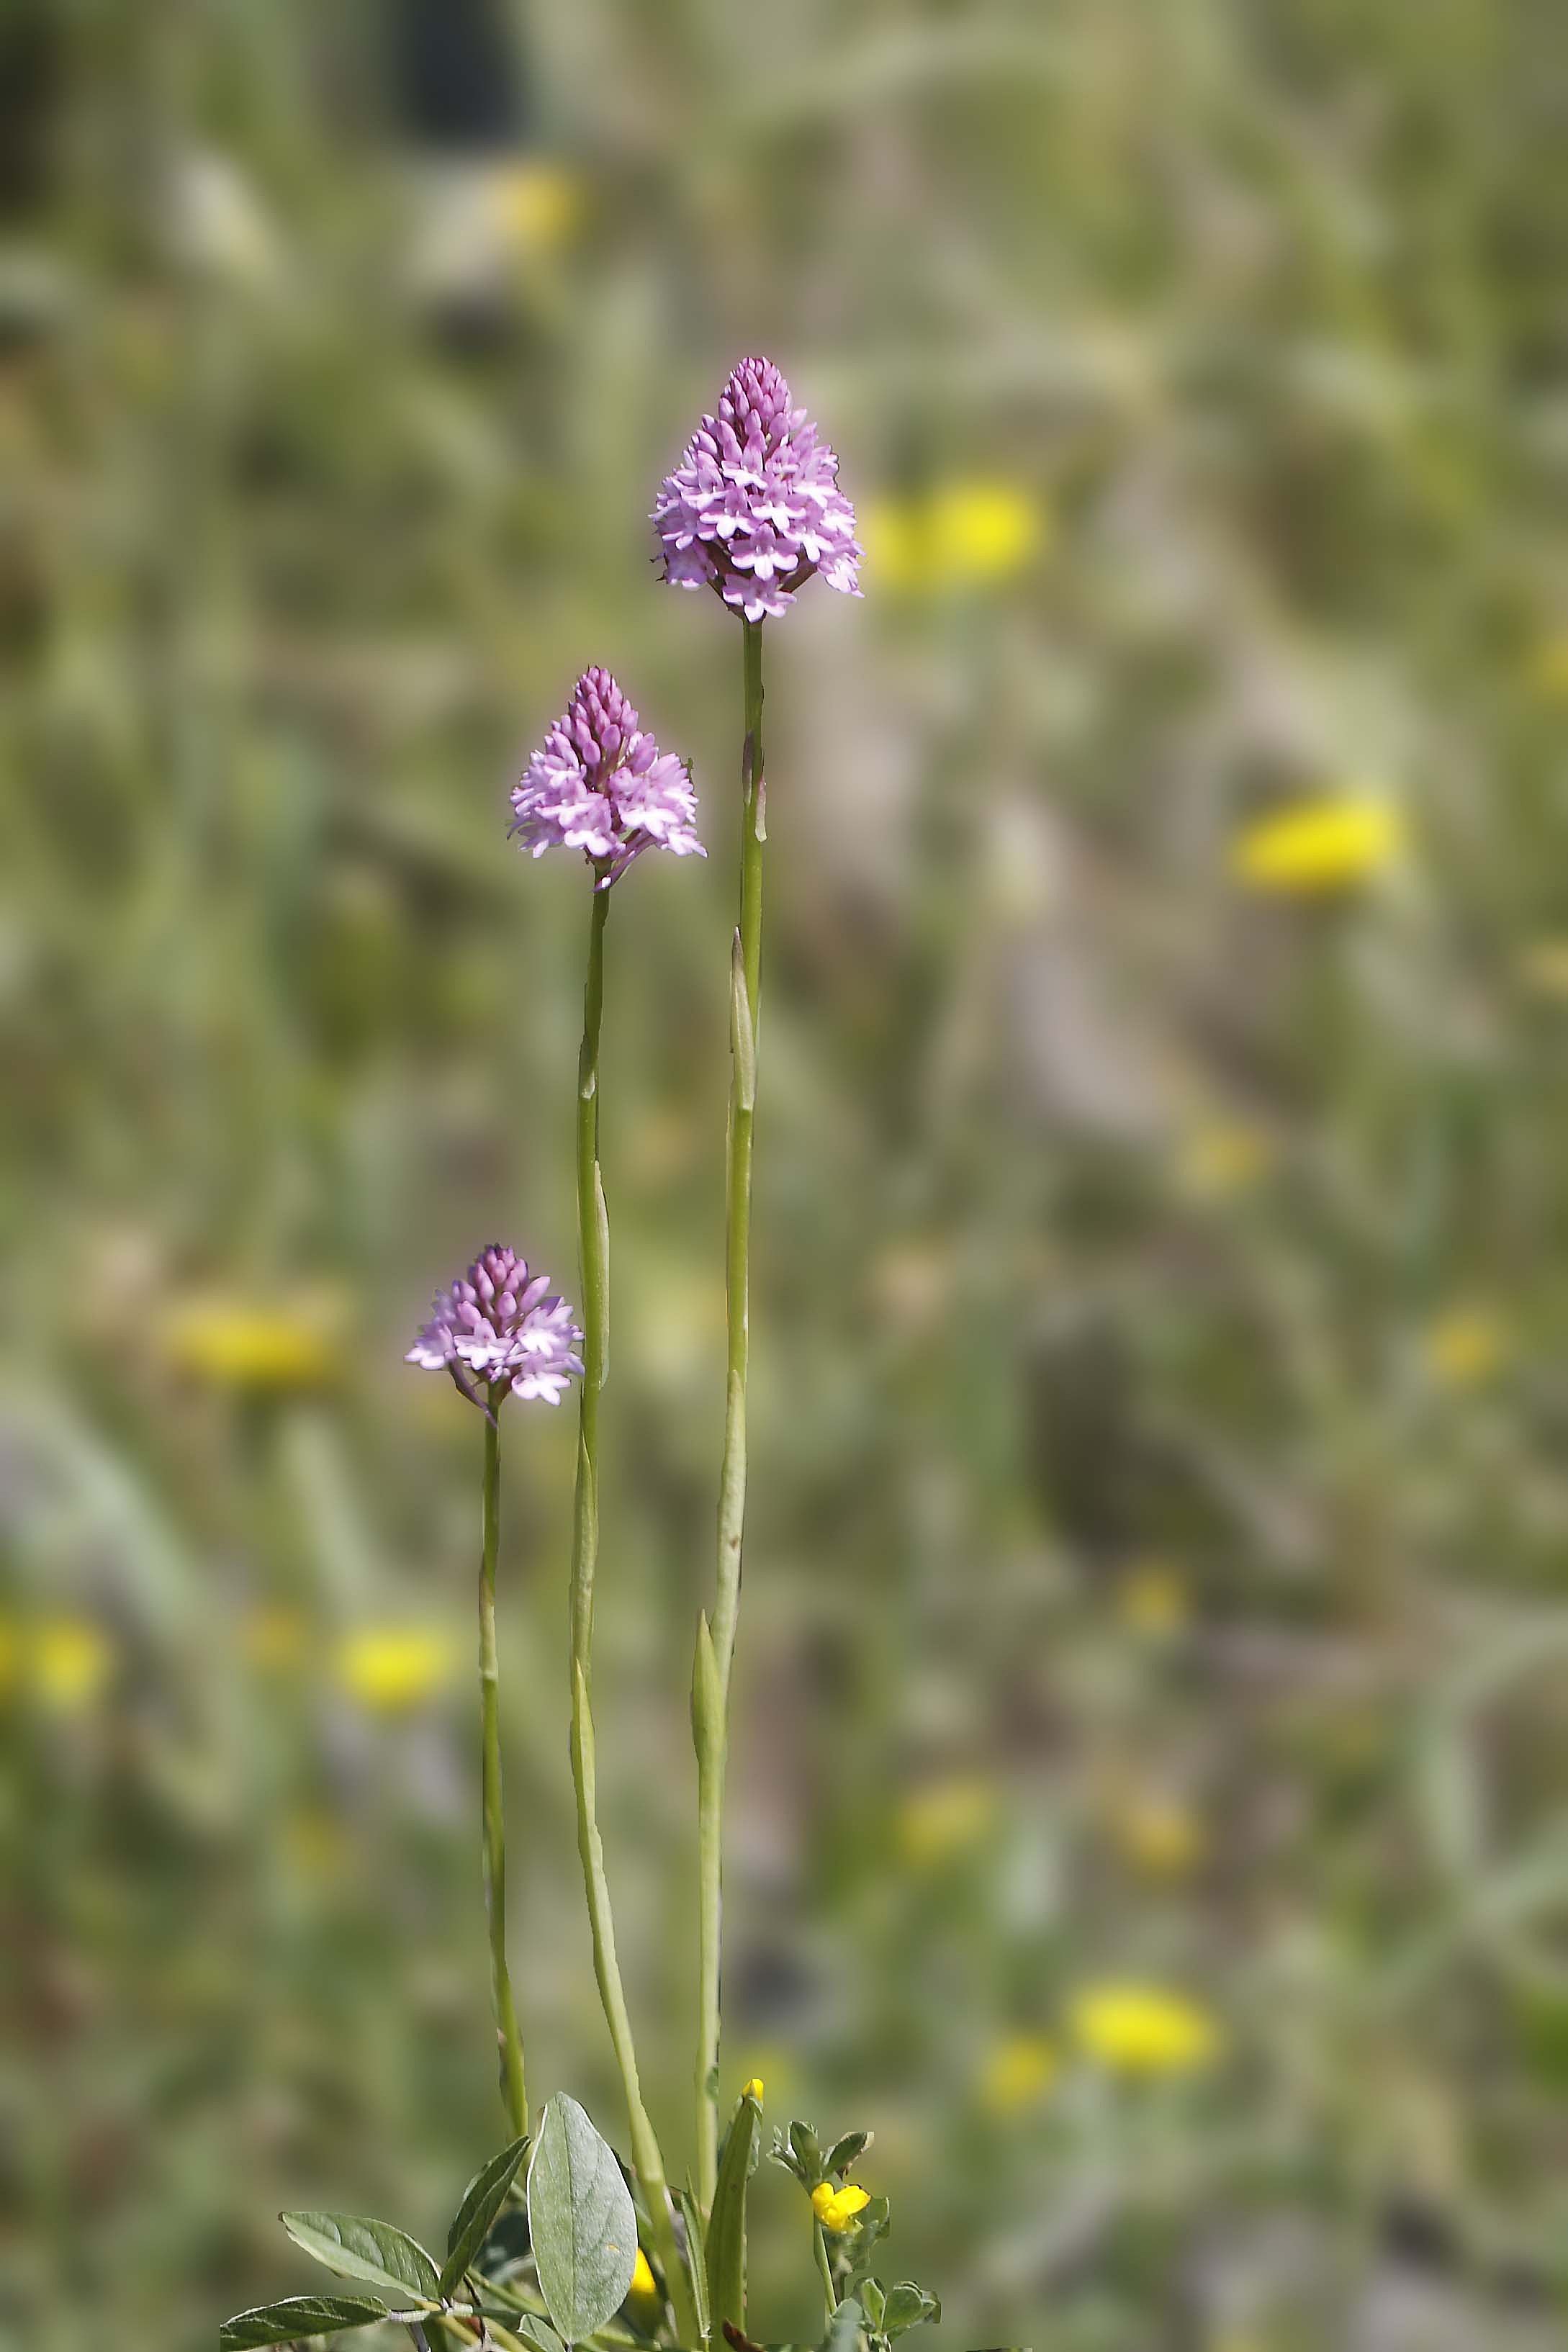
x,y
361,2249
296,2316
580,2214
727,2222
485,2197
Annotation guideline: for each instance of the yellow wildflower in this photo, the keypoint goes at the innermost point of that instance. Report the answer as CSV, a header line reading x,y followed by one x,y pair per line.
x,y
250,1345
1018,2072
1465,1348
836,2209
391,1668
962,533
274,1638
1542,967
535,206
753,2089
1153,1600
939,1820
1548,670
1317,848
1158,1834
644,2287
71,1661
314,1843
1222,1158
1142,2029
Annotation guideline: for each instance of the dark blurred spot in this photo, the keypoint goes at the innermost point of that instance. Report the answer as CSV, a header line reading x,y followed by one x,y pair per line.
x,y
458,74
1418,2233
32,63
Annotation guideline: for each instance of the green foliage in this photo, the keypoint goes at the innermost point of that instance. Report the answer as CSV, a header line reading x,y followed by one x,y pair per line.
x,y
844,2329
844,2153
907,2305
374,2251
471,2224
726,2236
296,2316
581,2220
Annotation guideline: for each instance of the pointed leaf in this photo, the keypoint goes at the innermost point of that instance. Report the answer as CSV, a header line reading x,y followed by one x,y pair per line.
x,y
529,2329
296,2316
697,2248
483,2200
845,2152
579,2213
357,2248
727,2222
807,2153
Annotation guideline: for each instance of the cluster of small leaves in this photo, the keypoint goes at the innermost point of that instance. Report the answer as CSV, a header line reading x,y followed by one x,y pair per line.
x,y
547,2270
867,2303
581,2240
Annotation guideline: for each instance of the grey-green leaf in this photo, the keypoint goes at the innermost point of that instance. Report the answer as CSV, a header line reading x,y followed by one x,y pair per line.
x,y
844,2328
727,2222
476,2215
580,2216
359,2249
908,2305
296,2316
529,2329
845,2152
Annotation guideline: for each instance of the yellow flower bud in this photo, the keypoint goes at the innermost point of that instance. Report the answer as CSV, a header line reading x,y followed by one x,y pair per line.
x,y
644,2287
753,2089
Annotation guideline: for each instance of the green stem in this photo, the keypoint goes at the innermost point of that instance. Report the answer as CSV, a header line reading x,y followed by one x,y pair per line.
x,y
744,1008
494,1820
593,1244
829,2292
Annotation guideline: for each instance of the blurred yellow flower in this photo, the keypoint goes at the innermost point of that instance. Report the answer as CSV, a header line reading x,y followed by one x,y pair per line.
x,y
1465,1348
1153,1600
753,2089
1543,966
944,1817
1142,2029
246,1344
535,206
314,1842
1222,1158
1318,846
70,1662
1548,669
1018,2072
274,1639
962,533
1158,1834
836,2209
391,1668
644,2287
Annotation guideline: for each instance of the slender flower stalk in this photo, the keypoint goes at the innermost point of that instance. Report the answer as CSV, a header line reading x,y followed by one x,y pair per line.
x,y
498,1326
491,1791
753,512
593,1241
600,785
711,1726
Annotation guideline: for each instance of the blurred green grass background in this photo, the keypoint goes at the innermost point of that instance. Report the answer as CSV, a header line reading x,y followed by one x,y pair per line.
x,y
1159,1526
